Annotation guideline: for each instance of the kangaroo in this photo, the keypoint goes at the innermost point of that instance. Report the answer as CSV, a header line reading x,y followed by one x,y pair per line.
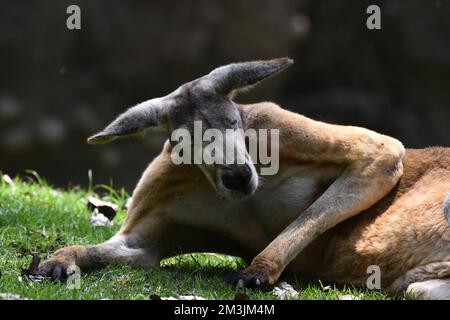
x,y
344,198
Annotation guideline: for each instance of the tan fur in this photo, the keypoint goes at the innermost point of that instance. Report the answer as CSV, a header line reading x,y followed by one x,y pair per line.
x,y
338,205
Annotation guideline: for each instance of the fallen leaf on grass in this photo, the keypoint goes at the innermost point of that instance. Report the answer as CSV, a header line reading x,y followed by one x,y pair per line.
x,y
108,209
285,291
7,179
187,297
99,220
11,296
348,297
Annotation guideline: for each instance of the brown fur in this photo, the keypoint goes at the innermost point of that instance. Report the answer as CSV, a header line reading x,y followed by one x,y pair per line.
x,y
338,204
404,230
398,233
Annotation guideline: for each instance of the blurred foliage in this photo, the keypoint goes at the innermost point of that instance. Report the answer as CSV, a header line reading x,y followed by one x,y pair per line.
x,y
59,86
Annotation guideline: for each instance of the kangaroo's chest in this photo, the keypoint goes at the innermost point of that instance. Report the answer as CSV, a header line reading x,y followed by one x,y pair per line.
x,y
255,221
283,197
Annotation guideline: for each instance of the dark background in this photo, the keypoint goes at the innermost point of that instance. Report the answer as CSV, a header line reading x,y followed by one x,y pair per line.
x,y
59,86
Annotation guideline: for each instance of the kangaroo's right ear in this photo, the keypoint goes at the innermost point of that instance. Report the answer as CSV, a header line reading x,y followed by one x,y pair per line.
x,y
151,114
231,78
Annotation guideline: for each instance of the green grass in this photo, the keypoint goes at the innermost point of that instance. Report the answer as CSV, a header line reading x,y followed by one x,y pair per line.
x,y
35,217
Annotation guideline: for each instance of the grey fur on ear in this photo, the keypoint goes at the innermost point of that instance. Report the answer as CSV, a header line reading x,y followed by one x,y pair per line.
x,y
447,208
151,114
238,76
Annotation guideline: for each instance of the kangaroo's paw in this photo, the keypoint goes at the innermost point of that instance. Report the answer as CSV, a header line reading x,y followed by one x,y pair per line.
x,y
58,267
254,276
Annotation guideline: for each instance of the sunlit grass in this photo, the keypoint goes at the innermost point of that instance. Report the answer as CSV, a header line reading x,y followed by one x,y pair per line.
x,y
35,217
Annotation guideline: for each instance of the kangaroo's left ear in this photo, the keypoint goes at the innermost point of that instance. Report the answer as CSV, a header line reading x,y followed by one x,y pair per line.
x,y
151,114
231,78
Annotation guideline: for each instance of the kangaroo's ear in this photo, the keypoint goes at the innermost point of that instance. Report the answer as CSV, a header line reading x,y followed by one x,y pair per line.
x,y
234,77
151,114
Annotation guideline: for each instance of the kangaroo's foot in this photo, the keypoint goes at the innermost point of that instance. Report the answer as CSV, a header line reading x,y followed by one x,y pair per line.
x,y
66,261
434,289
429,281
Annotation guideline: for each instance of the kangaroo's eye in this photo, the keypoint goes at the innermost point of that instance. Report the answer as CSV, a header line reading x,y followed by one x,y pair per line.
x,y
230,122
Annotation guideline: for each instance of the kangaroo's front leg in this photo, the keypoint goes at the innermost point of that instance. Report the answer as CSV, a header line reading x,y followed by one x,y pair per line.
x,y
372,166
116,250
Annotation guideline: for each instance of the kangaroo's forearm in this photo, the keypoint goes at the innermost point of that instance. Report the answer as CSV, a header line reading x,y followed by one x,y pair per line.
x,y
373,165
346,197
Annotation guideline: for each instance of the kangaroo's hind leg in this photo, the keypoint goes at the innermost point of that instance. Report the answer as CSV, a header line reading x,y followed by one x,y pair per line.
x,y
434,289
430,282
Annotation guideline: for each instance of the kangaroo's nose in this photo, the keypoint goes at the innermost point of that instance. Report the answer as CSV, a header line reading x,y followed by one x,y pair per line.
x,y
237,178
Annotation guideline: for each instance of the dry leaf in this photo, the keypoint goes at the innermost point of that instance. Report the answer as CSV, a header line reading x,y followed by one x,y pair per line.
x,y
99,220
285,291
11,296
108,209
190,297
7,179
348,297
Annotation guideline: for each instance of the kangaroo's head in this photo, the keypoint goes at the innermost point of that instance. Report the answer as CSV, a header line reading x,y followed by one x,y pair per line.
x,y
207,100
